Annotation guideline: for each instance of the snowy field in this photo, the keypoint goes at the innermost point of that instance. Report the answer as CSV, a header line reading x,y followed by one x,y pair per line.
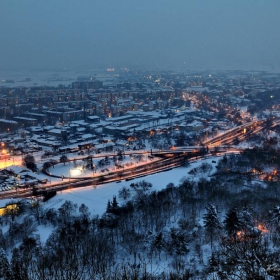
x,y
96,198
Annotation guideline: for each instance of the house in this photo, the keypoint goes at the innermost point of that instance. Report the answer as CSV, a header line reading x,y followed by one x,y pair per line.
x,y
104,147
194,126
93,119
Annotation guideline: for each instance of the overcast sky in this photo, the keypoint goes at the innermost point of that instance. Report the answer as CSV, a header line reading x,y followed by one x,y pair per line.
x,y
206,34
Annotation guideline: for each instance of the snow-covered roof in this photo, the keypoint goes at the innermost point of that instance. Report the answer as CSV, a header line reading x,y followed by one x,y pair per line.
x,y
105,145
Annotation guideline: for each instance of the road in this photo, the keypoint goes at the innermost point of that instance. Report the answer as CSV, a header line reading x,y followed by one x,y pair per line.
x,y
130,173
173,157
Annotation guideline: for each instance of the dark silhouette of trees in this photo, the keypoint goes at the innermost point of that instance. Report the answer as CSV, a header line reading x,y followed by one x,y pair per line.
x,y
63,159
5,269
124,193
249,258
180,139
67,209
211,221
134,240
142,186
120,155
18,265
205,168
232,223
114,202
29,162
47,165
83,209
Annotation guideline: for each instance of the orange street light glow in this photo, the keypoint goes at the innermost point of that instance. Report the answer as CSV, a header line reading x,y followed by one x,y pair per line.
x,y
262,228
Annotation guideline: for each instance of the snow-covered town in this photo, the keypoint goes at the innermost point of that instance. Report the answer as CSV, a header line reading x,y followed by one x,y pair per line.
x,y
139,140
58,173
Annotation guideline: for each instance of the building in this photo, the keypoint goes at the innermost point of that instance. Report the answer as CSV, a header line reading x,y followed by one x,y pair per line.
x,y
8,125
85,85
25,122
93,119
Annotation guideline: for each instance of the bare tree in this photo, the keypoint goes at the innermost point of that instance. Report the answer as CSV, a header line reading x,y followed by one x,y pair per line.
x,y
63,159
124,193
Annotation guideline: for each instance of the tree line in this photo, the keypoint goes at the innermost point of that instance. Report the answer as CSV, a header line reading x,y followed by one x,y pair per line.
x,y
224,227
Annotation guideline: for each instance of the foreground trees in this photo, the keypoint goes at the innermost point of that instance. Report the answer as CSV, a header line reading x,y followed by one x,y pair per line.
x,y
211,221
175,233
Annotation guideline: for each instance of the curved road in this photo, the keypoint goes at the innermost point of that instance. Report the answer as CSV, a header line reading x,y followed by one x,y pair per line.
x,y
177,158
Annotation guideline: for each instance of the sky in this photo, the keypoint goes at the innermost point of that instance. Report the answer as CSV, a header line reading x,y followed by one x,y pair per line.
x,y
190,34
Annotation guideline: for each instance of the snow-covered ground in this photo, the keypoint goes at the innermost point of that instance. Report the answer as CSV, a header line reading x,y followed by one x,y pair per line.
x,y
96,198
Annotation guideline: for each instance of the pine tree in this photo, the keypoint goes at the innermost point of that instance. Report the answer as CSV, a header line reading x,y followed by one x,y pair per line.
x,y
211,221
115,203
109,206
232,223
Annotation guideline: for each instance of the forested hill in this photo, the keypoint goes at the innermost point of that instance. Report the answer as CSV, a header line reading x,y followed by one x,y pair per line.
x,y
223,227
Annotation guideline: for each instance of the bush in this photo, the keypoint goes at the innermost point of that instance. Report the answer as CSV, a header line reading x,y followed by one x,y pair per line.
x,y
48,195
29,162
